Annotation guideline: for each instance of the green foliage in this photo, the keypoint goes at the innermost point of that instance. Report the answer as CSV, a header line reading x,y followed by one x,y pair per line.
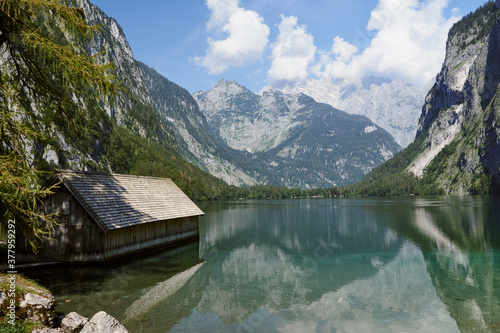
x,y
129,153
482,185
477,24
20,326
267,192
402,183
390,178
439,163
40,76
142,116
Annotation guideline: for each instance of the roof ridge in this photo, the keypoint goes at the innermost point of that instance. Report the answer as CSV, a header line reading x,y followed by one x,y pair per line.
x,y
107,174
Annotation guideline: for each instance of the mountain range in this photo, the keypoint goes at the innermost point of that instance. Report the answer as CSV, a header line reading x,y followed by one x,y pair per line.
x,y
291,140
333,147
393,105
292,136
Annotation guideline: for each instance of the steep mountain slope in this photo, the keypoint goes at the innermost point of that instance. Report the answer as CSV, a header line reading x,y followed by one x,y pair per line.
x,y
164,126
333,147
460,120
152,125
457,147
156,110
391,104
178,112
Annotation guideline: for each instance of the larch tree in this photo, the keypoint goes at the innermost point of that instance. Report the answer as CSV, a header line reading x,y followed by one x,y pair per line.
x,y
44,70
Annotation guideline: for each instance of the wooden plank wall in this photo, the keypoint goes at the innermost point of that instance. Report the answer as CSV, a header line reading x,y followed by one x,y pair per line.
x,y
78,238
150,235
75,236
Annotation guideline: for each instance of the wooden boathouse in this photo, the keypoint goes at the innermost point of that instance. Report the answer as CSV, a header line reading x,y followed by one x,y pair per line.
x,y
105,216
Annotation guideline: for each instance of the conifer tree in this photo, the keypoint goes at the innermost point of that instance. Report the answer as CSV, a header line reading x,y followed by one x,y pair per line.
x,y
44,69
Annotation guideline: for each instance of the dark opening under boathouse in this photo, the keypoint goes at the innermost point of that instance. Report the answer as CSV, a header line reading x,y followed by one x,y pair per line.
x,y
106,216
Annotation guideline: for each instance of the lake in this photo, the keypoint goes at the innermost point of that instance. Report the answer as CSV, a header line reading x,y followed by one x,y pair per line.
x,y
312,265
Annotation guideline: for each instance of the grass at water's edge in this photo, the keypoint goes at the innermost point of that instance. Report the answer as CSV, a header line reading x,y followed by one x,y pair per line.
x,y
14,287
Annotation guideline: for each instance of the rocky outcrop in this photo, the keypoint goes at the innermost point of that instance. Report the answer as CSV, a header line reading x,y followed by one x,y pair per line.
x,y
37,306
21,299
462,110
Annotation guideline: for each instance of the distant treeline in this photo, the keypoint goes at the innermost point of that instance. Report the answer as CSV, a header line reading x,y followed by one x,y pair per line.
x,y
129,153
389,179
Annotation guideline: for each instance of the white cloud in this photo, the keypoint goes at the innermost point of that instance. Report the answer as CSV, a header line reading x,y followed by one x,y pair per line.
x,y
293,51
409,38
247,37
342,50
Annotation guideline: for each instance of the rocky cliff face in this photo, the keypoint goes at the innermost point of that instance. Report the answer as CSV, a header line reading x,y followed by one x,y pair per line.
x,y
329,147
246,121
150,106
393,105
460,121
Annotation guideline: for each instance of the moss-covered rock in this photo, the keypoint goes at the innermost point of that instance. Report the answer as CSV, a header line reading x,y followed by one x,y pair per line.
x,y
24,305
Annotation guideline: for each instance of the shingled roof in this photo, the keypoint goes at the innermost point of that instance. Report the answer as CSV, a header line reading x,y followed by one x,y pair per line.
x,y
116,201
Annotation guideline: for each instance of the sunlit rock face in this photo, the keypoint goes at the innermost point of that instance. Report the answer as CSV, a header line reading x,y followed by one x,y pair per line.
x,y
462,109
308,144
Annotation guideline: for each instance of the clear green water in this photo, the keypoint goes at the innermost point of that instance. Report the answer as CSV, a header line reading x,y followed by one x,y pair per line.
x,y
319,265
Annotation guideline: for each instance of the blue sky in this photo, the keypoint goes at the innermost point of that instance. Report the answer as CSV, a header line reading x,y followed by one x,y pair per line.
x,y
261,42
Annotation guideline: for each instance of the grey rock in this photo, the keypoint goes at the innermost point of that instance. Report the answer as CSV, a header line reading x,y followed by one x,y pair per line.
x,y
35,300
74,322
102,322
333,147
393,105
38,308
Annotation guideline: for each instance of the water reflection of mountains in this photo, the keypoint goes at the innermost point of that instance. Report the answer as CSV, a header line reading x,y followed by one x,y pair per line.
x,y
320,260
256,251
460,240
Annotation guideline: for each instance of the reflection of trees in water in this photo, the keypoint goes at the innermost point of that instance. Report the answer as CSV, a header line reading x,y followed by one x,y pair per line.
x,y
280,254
325,262
460,246
313,263
296,225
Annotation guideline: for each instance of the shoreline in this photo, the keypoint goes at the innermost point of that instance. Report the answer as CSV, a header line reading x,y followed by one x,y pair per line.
x,y
29,307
